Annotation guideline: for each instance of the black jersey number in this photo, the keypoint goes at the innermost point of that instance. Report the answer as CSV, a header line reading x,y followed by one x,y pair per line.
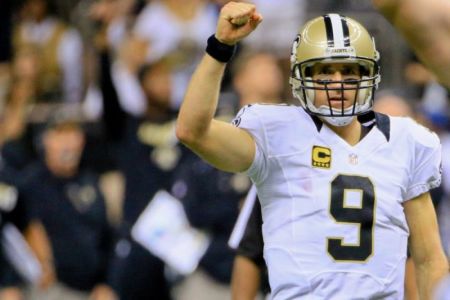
x,y
361,214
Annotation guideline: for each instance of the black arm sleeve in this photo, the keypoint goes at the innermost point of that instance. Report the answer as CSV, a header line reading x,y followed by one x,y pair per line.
x,y
113,115
5,30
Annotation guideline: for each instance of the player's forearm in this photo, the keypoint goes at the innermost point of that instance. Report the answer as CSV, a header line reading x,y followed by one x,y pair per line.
x,y
200,101
411,17
425,25
429,274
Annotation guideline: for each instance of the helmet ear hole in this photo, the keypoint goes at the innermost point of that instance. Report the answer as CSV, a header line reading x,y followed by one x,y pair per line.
x,y
308,71
297,73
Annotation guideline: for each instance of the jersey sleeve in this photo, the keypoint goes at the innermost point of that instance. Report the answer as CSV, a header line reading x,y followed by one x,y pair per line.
x,y
426,168
249,120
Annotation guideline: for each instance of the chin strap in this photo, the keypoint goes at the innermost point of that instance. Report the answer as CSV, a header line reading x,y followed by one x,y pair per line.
x,y
338,121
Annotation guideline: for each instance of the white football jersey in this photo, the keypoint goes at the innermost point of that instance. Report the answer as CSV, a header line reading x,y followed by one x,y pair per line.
x,y
333,220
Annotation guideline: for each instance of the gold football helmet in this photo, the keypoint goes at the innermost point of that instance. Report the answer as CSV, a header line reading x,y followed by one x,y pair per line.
x,y
333,38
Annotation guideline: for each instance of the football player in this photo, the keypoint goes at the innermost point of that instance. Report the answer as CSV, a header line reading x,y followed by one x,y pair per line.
x,y
425,25
341,187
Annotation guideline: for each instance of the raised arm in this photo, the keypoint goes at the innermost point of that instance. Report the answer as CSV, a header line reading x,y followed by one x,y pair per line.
x,y
221,144
425,245
425,24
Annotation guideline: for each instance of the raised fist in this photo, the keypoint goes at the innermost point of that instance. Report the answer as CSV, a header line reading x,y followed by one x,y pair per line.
x,y
236,21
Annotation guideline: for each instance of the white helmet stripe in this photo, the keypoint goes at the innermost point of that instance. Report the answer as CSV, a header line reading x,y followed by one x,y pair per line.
x,y
338,31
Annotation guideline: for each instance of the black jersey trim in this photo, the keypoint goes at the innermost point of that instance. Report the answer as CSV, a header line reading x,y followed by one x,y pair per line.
x,y
317,121
384,124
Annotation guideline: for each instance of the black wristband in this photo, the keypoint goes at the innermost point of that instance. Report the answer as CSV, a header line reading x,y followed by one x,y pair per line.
x,y
220,51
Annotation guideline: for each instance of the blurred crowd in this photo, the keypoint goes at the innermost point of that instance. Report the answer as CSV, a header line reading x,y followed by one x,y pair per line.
x,y
89,91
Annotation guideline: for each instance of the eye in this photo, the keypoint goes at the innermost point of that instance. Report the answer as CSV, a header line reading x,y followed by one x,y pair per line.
x,y
327,71
322,70
350,71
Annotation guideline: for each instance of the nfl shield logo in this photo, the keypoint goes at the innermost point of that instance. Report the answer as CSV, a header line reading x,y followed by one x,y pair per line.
x,y
353,159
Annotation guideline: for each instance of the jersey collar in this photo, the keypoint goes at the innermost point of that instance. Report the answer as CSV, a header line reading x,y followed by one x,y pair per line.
x,y
367,120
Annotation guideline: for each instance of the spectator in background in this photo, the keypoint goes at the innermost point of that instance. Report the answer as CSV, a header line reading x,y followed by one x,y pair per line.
x,y
15,211
211,200
20,94
432,98
105,22
147,153
176,30
58,50
280,25
16,78
115,18
257,77
390,104
67,198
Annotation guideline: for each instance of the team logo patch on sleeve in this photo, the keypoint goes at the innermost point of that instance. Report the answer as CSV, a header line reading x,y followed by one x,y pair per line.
x,y
237,120
321,157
